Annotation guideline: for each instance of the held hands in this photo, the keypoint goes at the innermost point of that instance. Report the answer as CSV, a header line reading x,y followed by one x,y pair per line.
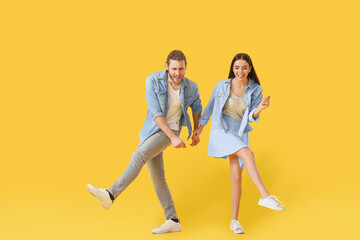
x,y
177,142
196,136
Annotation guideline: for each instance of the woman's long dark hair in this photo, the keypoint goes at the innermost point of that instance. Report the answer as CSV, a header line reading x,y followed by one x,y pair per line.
x,y
243,56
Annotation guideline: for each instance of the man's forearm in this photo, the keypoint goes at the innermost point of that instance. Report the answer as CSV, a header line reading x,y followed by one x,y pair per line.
x,y
163,125
196,120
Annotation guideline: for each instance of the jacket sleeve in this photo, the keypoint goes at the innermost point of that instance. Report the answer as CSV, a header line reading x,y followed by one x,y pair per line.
x,y
256,98
209,109
151,98
196,106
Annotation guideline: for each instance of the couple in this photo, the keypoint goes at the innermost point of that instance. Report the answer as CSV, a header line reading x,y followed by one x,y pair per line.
x,y
233,103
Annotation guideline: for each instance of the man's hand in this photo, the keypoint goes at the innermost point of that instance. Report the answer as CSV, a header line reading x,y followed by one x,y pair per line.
x,y
177,142
196,136
194,141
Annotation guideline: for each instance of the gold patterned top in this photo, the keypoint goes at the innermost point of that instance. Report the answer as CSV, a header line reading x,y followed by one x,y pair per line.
x,y
235,106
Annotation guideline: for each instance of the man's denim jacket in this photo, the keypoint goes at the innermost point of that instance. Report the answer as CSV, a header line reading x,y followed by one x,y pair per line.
x,y
158,101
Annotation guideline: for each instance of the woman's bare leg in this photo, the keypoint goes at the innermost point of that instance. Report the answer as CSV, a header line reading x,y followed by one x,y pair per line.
x,y
248,157
235,177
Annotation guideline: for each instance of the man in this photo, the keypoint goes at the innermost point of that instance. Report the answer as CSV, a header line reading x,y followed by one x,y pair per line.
x,y
168,94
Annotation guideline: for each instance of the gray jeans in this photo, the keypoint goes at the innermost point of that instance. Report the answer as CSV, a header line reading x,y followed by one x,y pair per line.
x,y
151,153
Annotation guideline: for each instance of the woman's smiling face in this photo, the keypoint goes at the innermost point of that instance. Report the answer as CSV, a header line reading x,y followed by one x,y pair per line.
x,y
241,69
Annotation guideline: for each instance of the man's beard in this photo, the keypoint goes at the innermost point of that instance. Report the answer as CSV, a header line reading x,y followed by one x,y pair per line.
x,y
173,79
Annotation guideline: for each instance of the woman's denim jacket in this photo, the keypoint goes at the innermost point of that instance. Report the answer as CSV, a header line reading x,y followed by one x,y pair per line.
x,y
158,101
221,92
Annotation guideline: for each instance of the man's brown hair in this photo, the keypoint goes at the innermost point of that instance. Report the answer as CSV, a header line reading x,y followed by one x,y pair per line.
x,y
176,55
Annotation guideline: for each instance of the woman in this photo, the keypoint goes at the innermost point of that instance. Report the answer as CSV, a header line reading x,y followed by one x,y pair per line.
x,y
234,103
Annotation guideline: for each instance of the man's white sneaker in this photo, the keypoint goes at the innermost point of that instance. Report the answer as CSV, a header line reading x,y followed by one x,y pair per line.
x,y
236,227
271,202
168,227
101,195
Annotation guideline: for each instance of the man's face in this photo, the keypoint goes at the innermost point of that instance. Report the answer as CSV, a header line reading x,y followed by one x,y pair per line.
x,y
176,70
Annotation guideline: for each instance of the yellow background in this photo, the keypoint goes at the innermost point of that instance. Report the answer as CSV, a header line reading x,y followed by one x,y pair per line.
x,y
72,102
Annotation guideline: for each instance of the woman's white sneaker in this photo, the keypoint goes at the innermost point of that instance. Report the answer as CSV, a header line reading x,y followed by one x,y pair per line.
x,y
101,195
236,227
271,202
168,227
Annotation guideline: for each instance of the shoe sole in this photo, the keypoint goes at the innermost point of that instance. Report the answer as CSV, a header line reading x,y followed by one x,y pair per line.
x,y
237,232
167,232
172,231
281,209
92,190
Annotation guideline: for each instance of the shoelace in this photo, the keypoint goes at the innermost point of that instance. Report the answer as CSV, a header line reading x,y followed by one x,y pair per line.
x,y
276,199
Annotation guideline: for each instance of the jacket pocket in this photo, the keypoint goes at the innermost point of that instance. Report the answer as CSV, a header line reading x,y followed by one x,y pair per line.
x,y
161,94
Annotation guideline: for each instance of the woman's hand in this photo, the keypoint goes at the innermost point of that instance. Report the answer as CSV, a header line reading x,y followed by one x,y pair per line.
x,y
265,103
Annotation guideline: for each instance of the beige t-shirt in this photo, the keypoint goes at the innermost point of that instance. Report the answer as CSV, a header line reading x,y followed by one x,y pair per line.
x,y
235,106
175,111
